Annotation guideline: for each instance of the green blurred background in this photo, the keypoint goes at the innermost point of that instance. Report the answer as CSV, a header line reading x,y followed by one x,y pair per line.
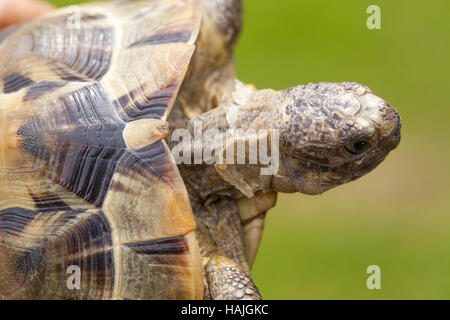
x,y
397,217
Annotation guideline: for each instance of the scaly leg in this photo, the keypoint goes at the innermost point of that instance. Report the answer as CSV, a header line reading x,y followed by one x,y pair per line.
x,y
220,237
226,281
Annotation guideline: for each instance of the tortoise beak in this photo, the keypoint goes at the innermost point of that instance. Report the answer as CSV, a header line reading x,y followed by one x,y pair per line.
x,y
392,122
390,129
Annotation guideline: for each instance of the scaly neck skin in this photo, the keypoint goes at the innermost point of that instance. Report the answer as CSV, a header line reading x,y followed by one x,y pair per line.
x,y
329,134
243,111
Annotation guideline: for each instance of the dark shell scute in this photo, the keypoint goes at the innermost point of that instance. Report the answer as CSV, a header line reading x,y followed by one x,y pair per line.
x,y
49,202
81,140
165,38
173,245
15,82
14,220
151,160
37,90
133,107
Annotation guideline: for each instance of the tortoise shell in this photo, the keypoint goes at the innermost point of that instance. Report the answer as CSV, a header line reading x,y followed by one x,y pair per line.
x,y
86,179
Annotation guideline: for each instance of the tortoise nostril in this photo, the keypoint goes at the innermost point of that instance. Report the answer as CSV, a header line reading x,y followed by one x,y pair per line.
x,y
390,121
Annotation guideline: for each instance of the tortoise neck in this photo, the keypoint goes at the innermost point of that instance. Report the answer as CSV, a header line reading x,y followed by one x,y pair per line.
x,y
230,150
193,150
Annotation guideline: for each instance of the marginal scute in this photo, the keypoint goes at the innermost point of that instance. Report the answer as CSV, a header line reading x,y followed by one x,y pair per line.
x,y
157,22
149,94
165,38
172,245
168,268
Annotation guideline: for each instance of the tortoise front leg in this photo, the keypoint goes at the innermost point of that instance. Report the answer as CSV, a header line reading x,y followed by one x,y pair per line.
x,y
226,272
227,281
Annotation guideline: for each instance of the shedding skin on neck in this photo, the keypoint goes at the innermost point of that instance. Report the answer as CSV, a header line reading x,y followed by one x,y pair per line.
x,y
242,111
319,126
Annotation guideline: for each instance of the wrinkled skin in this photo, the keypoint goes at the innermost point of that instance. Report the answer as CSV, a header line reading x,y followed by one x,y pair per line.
x,y
329,134
335,133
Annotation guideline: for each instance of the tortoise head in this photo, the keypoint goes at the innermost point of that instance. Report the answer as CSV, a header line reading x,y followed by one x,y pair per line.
x,y
330,134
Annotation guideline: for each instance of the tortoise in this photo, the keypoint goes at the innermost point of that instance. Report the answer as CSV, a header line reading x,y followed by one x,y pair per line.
x,y
92,101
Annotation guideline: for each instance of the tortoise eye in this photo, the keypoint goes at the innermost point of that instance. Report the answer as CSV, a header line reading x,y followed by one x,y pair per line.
x,y
358,147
